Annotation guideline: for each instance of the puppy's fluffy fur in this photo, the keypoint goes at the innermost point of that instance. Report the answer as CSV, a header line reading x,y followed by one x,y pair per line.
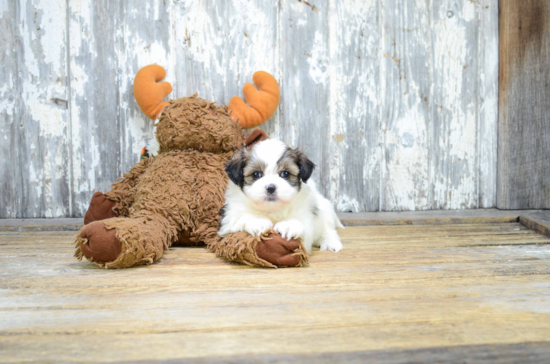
x,y
270,188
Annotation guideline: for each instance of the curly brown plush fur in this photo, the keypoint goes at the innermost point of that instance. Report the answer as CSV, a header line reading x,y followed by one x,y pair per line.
x,y
176,197
267,250
197,124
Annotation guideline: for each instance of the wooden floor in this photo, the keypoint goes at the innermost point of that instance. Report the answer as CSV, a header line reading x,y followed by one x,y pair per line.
x,y
396,293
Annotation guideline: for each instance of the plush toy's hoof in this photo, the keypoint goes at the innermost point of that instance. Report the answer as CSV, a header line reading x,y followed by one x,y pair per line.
x,y
100,208
279,251
102,245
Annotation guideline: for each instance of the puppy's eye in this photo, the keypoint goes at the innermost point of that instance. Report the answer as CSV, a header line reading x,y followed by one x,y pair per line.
x,y
257,175
284,174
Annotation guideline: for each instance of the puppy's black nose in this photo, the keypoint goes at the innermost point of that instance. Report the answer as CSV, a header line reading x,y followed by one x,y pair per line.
x,y
271,188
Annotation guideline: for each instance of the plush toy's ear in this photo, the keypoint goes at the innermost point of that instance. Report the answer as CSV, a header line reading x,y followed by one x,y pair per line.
x,y
148,92
255,136
262,103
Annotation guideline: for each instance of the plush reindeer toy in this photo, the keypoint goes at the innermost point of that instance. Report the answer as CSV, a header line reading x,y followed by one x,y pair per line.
x,y
175,196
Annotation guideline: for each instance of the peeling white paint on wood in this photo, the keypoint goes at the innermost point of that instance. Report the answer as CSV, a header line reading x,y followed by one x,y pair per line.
x,y
38,124
305,82
454,168
406,92
146,26
10,193
395,101
95,128
219,46
354,135
487,99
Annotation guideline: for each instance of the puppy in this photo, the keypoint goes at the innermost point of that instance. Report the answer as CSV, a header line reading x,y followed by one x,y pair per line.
x,y
270,187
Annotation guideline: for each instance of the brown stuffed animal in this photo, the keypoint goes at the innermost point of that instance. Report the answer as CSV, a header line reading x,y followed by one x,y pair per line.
x,y
176,196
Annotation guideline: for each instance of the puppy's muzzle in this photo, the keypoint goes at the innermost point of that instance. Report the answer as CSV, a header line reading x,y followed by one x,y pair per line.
x,y
271,188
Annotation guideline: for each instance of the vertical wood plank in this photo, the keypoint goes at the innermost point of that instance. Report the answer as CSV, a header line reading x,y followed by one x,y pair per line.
x,y
10,171
388,97
305,108
487,48
524,104
407,76
454,148
145,38
354,152
219,45
43,147
96,145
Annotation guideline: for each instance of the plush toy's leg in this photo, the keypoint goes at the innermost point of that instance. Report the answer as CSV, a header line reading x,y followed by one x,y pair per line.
x,y
122,191
118,200
101,208
125,242
98,244
268,250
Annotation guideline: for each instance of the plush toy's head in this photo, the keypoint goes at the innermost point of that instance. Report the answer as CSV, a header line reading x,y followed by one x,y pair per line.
x,y
194,123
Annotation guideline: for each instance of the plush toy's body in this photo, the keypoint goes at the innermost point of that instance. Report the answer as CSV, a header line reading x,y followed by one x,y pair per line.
x,y
176,196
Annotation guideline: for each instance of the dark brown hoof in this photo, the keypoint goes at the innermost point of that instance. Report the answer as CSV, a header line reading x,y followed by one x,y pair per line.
x,y
100,208
103,245
279,251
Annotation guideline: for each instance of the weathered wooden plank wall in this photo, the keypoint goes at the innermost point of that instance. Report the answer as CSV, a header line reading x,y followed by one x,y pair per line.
x,y
395,100
35,168
524,105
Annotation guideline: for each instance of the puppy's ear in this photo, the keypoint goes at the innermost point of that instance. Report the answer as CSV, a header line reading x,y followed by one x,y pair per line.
x,y
306,166
234,168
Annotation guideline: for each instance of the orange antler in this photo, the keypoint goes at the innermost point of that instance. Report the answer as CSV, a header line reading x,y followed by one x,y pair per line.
x,y
148,92
262,103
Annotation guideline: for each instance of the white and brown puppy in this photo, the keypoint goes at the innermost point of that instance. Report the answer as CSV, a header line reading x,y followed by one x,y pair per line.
x,y
270,187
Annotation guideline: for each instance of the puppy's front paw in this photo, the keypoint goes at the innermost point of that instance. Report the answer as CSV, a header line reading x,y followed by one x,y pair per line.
x,y
332,243
257,225
290,229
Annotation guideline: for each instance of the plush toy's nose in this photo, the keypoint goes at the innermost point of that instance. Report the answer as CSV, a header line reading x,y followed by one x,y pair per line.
x,y
271,188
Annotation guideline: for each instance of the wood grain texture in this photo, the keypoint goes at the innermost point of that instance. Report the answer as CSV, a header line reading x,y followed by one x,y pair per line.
x,y
305,83
38,126
355,127
454,150
390,289
487,102
95,99
145,38
431,217
406,120
219,45
110,42
395,101
59,224
537,221
538,352
10,181
524,120
439,112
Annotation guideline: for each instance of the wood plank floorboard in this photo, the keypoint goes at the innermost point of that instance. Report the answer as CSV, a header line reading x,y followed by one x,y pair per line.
x,y
468,289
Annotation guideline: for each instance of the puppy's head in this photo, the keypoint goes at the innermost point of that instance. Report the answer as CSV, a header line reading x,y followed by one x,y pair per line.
x,y
270,174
